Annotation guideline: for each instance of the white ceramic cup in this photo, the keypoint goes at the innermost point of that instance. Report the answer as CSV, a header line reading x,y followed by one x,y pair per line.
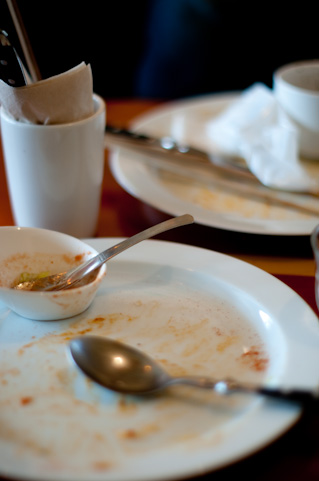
x,y
55,172
296,88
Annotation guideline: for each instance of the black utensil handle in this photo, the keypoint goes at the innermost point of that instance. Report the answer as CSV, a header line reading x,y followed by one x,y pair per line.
x,y
10,68
306,398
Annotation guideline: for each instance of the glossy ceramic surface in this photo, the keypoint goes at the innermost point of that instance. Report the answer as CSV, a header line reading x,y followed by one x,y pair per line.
x,y
210,204
193,311
36,251
60,172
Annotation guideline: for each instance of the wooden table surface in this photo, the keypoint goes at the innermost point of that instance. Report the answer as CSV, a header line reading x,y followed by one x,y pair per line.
x,y
295,455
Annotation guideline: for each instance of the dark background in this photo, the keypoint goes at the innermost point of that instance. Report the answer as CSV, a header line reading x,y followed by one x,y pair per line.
x,y
165,49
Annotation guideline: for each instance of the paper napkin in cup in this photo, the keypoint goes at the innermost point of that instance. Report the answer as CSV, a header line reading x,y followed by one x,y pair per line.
x,y
254,128
60,99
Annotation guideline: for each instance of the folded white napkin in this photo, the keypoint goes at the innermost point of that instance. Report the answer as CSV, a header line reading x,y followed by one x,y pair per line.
x,y
256,129
63,98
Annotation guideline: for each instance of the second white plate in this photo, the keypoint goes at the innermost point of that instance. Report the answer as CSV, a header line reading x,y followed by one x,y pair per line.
x,y
185,120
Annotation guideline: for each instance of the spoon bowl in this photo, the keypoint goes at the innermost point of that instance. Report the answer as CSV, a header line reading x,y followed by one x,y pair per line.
x,y
117,366
127,370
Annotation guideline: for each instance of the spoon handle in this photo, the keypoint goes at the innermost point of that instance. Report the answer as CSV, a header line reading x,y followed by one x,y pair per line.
x,y
295,395
304,397
78,273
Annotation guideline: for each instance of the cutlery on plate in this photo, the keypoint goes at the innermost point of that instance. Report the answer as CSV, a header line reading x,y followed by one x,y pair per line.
x,y
229,173
124,369
166,148
65,280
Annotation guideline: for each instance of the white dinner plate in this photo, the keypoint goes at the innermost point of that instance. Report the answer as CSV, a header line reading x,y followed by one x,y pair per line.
x,y
196,312
211,205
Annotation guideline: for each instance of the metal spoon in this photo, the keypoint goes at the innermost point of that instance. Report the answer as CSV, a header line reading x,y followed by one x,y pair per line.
x,y
70,278
125,369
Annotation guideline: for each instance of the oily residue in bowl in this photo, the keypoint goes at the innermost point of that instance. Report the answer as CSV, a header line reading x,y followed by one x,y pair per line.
x,y
13,266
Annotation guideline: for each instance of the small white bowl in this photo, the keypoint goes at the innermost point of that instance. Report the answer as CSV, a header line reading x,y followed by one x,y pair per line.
x,y
32,250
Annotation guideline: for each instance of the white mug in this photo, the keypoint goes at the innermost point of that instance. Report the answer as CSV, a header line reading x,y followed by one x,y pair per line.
x,y
55,172
296,88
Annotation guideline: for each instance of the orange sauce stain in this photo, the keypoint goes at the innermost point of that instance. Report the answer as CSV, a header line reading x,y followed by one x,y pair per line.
x,y
255,359
229,341
131,434
24,401
217,331
79,328
128,434
101,466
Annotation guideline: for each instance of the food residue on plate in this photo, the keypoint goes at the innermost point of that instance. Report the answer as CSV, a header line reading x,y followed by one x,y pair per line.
x,y
47,404
219,200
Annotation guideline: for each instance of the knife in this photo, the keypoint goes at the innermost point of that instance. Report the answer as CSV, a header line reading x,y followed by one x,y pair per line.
x,y
11,69
166,148
229,173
